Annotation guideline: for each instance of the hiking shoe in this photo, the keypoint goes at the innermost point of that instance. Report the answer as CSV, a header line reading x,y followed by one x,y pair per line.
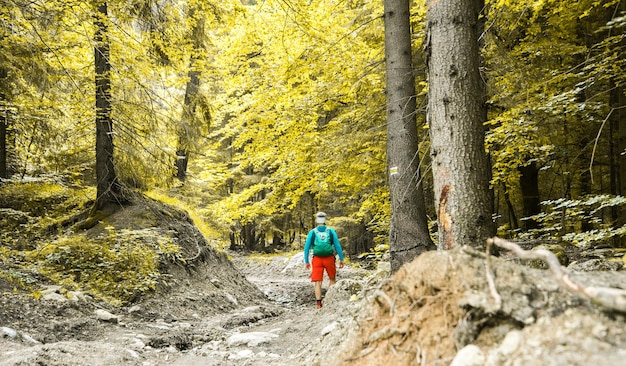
x,y
319,303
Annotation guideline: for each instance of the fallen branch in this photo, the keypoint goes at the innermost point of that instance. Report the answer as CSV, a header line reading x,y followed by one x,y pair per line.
x,y
490,281
611,298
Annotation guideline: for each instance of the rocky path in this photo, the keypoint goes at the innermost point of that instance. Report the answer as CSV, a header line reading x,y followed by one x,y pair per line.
x,y
286,329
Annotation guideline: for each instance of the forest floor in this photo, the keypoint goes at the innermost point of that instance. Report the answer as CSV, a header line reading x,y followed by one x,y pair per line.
x,y
235,309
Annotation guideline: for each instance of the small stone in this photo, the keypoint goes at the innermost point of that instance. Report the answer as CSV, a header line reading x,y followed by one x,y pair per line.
x,y
105,316
469,355
251,339
8,332
29,339
246,353
329,328
511,342
134,309
54,297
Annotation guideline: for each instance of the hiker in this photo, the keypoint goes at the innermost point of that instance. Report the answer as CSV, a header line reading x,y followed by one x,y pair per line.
x,y
325,244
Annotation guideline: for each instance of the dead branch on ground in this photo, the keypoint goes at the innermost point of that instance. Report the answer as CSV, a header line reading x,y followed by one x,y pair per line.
x,y
611,298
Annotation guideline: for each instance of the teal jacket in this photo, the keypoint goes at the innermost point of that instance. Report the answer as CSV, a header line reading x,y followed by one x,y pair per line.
x,y
310,240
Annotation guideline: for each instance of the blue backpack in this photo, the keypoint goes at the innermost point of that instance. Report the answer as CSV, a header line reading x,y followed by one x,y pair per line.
x,y
323,243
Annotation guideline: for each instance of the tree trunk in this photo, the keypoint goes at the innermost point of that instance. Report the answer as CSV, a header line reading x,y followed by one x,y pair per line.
x,y
618,156
409,234
3,126
186,130
456,114
3,145
107,185
529,184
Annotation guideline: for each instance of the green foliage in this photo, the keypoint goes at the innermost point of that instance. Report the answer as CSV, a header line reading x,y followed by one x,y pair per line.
x,y
565,219
118,268
296,99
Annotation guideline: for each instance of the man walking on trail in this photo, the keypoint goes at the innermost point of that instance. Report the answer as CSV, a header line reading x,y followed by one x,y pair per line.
x,y
325,244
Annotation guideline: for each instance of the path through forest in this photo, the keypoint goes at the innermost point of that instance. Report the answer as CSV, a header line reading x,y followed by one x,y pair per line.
x,y
282,329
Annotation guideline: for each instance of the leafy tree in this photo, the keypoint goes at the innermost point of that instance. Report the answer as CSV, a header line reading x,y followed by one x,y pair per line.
x,y
409,235
550,71
301,118
455,116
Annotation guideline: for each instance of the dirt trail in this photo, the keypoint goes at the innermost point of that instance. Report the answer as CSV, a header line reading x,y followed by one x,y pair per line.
x,y
278,330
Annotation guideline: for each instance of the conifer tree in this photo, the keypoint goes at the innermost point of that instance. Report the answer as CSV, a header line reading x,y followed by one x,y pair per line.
x,y
409,234
456,114
108,188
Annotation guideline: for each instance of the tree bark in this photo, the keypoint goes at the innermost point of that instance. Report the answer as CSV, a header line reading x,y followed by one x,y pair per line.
x,y
529,184
107,185
456,114
3,127
189,110
3,145
409,234
187,128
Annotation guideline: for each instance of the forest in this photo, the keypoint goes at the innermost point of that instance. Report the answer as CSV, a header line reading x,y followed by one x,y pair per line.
x,y
162,161
259,113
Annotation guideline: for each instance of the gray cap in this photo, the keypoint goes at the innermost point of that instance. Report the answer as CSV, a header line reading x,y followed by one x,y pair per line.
x,y
320,218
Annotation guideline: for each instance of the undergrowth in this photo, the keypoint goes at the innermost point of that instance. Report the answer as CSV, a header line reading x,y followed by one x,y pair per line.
x,y
117,266
117,271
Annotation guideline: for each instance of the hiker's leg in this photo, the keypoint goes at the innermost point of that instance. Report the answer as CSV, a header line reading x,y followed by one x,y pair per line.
x,y
331,269
317,276
318,290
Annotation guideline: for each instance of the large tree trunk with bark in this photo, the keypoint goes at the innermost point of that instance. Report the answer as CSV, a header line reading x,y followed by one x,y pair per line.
x,y
188,124
456,114
107,185
409,234
3,146
3,126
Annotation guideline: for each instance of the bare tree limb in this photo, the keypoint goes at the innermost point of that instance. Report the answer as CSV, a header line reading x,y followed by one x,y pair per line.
x,y
611,298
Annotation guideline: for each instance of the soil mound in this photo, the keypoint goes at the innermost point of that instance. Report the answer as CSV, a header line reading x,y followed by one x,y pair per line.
x,y
200,282
439,310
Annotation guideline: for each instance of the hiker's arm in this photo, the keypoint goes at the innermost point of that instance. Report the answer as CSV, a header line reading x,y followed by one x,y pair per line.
x,y
307,247
337,245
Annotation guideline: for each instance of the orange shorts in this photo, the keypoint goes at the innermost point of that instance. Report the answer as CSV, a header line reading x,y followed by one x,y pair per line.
x,y
319,264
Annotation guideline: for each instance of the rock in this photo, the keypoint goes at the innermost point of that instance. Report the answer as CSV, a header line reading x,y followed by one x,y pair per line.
x,y
295,262
594,265
54,297
329,328
383,267
246,353
231,298
512,341
105,316
28,339
135,309
8,332
51,289
470,355
251,339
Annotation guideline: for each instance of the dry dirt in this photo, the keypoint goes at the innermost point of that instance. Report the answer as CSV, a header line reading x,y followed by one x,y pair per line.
x,y
234,309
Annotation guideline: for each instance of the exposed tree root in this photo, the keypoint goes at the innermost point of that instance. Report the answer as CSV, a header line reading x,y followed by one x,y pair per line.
x,y
610,298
